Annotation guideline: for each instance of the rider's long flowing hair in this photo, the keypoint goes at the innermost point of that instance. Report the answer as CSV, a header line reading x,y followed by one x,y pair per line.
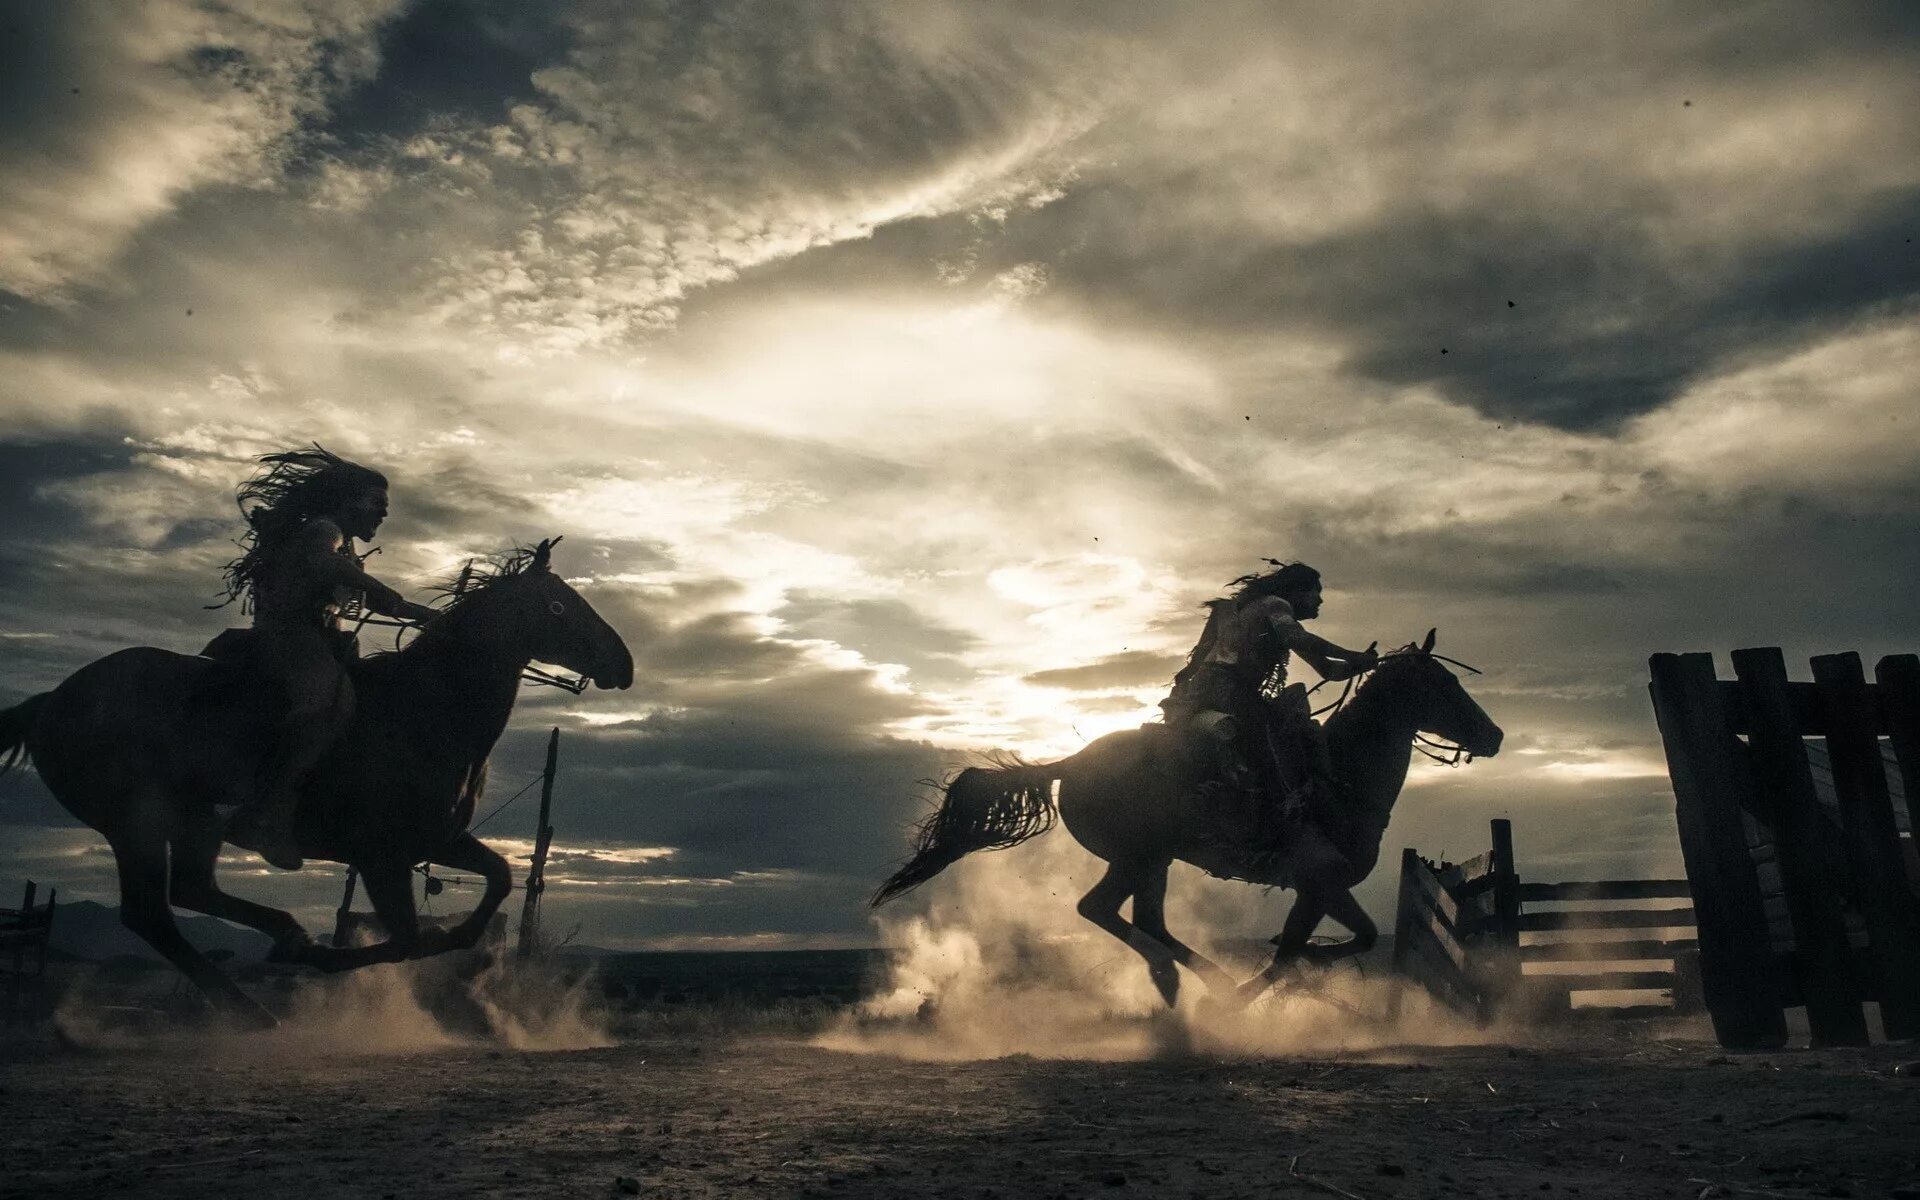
x,y
291,489
1284,578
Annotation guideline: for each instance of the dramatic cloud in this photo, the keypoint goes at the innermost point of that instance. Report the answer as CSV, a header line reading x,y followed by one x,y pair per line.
x,y
117,112
905,376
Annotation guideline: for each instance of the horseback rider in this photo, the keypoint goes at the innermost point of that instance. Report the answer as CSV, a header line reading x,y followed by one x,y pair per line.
x,y
297,571
1233,690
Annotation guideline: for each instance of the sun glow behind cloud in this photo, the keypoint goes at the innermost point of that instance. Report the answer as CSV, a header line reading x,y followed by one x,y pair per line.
x,y
879,398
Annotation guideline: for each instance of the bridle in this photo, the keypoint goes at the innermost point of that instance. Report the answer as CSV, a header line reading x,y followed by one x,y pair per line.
x,y
529,674
1447,754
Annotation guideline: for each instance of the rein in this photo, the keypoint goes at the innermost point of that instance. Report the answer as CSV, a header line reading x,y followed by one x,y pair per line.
x,y
1447,754
529,674
1339,701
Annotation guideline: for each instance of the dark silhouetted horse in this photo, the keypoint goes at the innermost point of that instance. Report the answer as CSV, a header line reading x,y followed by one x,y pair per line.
x,y
1133,798
144,744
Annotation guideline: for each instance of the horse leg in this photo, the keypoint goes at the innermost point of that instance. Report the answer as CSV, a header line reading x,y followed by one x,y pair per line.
x,y
140,854
196,848
1314,905
1339,904
1302,919
390,887
469,853
1150,918
1101,905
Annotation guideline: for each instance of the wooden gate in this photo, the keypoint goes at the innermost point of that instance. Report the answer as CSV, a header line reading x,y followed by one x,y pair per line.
x,y
1794,824
1484,942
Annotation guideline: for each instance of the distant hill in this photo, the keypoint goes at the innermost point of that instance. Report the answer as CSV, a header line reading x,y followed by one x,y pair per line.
x,y
90,930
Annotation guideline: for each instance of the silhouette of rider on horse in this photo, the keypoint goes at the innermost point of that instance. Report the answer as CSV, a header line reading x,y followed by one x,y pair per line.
x,y
298,571
1233,692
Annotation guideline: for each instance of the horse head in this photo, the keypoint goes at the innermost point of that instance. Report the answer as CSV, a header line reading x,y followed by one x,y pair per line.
x,y
520,601
1439,705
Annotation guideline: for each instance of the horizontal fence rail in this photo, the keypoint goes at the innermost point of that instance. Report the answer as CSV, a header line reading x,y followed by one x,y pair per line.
x,y
1474,937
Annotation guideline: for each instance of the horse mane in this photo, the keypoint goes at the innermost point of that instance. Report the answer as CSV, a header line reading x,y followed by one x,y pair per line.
x,y
1356,695
474,578
480,573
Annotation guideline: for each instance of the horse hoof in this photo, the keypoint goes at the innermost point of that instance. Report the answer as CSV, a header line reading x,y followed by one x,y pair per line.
x,y
1166,981
291,949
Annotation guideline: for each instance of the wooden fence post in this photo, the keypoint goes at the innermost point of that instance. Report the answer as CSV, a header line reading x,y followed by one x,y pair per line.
x,y
1710,776
542,840
1873,844
1899,678
1402,930
1503,929
1809,854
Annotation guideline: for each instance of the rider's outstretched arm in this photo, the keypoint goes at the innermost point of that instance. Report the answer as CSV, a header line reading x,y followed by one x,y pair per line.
x,y
1331,661
320,543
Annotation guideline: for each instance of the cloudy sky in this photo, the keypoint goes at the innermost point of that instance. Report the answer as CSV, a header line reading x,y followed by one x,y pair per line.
x,y
903,375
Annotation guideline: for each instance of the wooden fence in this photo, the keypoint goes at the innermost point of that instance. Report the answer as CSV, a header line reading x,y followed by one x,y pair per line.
x,y
23,958
1484,942
1794,824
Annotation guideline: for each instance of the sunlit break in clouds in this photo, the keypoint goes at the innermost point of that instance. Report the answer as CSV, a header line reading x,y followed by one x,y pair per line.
x,y
903,377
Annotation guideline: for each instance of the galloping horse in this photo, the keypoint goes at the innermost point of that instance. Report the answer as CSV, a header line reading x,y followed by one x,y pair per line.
x,y
144,743
1132,798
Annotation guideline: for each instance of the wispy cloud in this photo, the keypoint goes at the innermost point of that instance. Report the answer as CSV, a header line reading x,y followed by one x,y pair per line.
x,y
905,376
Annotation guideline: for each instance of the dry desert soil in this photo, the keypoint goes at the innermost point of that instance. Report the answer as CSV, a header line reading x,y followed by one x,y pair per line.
x,y
1621,1113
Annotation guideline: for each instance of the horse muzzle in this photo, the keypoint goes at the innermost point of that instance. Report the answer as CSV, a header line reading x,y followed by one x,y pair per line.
x,y
618,675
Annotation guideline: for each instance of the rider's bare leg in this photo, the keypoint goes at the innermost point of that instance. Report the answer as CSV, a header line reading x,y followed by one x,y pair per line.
x,y
320,701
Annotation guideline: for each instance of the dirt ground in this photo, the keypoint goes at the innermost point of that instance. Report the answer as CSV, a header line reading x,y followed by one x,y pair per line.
x,y
1631,1112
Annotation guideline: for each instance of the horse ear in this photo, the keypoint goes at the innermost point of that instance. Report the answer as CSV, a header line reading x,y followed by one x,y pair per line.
x,y
1426,647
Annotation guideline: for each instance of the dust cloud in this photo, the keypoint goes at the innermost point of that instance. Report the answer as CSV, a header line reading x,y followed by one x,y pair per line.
x,y
992,960
456,1000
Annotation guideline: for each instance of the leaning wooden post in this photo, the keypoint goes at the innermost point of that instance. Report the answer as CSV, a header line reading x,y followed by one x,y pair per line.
x,y
1899,678
1403,932
1810,860
1710,776
543,839
1873,843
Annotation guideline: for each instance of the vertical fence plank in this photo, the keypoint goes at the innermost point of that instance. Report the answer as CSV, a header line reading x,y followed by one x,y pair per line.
x,y
1899,678
1809,852
1873,845
1501,939
43,998
1709,777
1403,928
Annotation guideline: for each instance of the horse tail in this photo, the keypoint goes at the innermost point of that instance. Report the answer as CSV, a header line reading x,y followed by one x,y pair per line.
x,y
15,724
981,808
